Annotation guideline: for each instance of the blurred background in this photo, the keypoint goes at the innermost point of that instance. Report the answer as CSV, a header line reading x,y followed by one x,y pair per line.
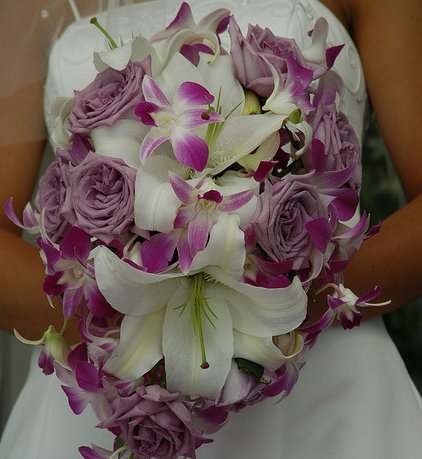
x,y
381,196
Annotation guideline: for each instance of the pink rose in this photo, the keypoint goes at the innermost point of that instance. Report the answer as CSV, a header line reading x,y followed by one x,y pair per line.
x,y
249,56
53,195
284,210
155,424
102,193
341,144
108,97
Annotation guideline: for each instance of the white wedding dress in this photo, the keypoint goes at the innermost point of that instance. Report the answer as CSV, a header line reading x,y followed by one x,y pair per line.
x,y
354,398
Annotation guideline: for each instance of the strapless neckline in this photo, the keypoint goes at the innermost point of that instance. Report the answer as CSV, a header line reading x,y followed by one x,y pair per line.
x,y
71,67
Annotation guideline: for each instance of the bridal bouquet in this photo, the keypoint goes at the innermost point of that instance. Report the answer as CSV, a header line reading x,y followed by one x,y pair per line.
x,y
196,200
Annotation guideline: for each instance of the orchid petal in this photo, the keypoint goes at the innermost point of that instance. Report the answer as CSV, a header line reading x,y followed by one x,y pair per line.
x,y
194,118
260,311
198,233
186,375
235,201
153,93
189,149
71,300
176,68
76,244
158,251
140,346
183,190
230,183
212,20
30,220
156,204
151,142
130,290
320,231
190,93
316,51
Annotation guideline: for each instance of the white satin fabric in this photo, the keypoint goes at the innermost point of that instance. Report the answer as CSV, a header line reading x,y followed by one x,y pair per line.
x,y
354,398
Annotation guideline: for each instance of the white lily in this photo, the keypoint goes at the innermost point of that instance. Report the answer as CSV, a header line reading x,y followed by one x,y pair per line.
x,y
190,320
121,140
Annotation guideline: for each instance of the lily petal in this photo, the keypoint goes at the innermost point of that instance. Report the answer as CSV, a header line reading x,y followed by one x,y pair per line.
x,y
225,248
185,374
130,290
140,346
261,311
156,204
121,140
240,136
259,350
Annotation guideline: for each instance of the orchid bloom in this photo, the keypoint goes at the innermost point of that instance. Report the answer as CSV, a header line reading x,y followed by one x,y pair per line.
x,y
174,121
69,273
291,94
344,303
317,54
168,205
200,212
171,315
183,32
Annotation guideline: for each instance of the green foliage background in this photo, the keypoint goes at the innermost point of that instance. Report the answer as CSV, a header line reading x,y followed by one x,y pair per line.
x,y
382,195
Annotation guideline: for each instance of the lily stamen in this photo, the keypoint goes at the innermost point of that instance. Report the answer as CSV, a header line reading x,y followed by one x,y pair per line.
x,y
113,44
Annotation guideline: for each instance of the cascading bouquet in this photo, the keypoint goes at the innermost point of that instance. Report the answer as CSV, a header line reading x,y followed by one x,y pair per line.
x,y
196,198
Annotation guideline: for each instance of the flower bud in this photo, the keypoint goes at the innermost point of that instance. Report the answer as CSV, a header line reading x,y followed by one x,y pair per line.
x,y
252,104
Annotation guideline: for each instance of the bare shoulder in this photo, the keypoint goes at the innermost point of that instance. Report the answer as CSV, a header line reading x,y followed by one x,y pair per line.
x,y
387,34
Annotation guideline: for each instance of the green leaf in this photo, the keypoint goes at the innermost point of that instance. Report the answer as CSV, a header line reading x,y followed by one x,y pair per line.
x,y
250,368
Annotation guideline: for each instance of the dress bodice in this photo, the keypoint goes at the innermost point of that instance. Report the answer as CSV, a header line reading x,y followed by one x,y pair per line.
x,y
71,66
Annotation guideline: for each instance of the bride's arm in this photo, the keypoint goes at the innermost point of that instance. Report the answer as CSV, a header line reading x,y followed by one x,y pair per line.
x,y
25,36
22,302
387,34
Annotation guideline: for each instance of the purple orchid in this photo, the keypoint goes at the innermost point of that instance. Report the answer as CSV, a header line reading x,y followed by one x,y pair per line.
x,y
30,217
199,208
174,121
330,184
84,384
215,22
70,274
199,212
290,91
191,36
344,303
319,57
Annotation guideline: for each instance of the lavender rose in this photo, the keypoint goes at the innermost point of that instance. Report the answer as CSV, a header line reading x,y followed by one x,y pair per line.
x,y
102,193
108,97
284,208
53,195
249,54
341,144
155,424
